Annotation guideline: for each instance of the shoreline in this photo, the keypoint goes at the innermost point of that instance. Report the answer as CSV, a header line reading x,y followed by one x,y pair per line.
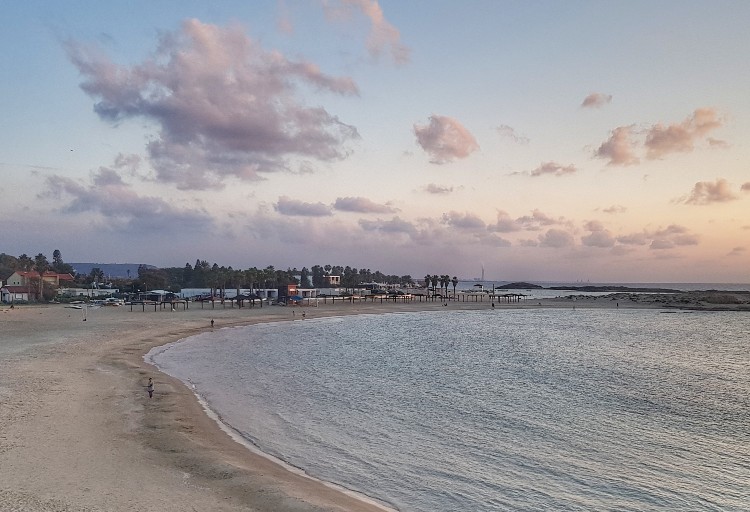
x,y
78,432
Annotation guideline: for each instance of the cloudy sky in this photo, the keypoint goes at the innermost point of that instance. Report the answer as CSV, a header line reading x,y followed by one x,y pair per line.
x,y
551,141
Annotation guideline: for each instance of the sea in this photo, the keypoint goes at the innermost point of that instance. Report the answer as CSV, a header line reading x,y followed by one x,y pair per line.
x,y
492,409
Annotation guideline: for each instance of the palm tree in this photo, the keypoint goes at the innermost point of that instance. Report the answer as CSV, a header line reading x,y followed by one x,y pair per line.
x,y
434,279
25,262
454,281
445,279
41,265
427,283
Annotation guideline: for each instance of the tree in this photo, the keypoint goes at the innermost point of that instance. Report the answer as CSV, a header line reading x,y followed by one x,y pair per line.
x,y
304,278
57,261
97,276
455,282
318,276
25,263
151,278
187,276
41,265
434,279
427,279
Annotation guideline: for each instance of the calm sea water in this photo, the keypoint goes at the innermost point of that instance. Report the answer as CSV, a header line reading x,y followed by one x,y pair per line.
x,y
488,410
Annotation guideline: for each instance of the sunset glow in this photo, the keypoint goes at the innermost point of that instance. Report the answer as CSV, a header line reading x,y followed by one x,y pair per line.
x,y
543,141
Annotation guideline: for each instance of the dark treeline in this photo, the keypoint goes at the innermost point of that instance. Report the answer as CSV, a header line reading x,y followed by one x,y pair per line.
x,y
206,275
201,275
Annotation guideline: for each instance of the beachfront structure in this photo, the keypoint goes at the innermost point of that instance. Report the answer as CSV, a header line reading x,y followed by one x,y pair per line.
x,y
87,292
23,285
331,281
11,294
29,277
270,294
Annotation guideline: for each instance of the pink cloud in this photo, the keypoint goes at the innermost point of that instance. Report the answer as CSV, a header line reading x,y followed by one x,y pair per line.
x,y
672,236
121,208
596,100
661,244
224,106
556,238
705,192
616,208
599,236
504,224
432,188
536,220
662,140
619,149
463,220
383,36
508,132
361,205
717,143
553,169
395,225
492,240
287,206
634,239
745,187
445,139
598,239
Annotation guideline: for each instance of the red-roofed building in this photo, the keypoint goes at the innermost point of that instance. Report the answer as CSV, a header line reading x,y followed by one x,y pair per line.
x,y
23,285
10,294
27,277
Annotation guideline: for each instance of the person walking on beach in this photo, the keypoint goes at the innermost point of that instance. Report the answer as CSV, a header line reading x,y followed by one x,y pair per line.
x,y
150,387
212,323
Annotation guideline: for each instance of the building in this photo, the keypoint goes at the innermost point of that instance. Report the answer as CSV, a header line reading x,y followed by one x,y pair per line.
x,y
31,277
331,281
11,294
23,285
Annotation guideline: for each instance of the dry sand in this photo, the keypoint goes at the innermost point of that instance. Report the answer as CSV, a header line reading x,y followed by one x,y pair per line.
x,y
79,433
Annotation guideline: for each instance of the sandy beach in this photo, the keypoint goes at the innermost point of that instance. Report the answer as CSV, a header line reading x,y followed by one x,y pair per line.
x,y
78,431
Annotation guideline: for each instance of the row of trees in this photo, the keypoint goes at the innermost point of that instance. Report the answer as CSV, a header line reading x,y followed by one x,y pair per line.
x,y
205,275
201,275
443,281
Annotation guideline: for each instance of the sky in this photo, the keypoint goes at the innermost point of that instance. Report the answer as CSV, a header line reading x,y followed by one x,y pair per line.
x,y
600,141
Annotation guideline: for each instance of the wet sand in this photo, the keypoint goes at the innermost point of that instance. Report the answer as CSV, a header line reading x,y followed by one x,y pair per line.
x,y
78,431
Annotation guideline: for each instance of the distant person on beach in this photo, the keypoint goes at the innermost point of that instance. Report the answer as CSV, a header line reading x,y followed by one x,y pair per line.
x,y
150,387
212,322
303,314
493,305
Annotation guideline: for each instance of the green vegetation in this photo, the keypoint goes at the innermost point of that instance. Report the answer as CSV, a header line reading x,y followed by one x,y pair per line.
x,y
201,275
